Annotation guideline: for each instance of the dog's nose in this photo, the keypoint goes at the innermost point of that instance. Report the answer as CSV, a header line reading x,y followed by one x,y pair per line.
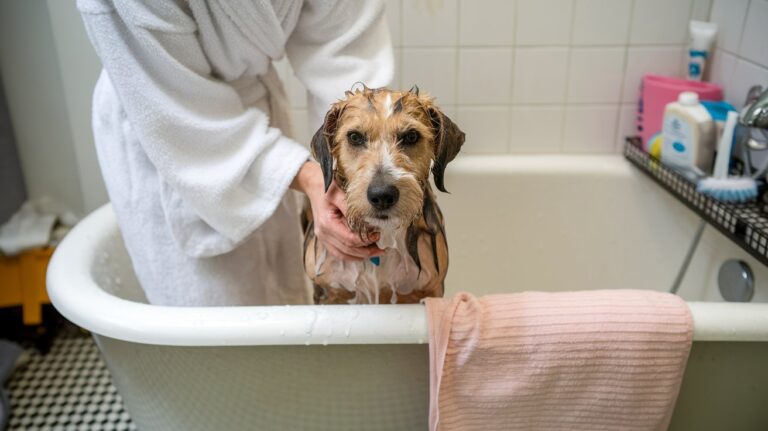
x,y
383,197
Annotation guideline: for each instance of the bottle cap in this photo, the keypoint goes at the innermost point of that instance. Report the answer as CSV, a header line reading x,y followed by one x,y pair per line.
x,y
688,98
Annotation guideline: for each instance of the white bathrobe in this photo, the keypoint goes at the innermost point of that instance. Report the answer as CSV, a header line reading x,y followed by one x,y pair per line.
x,y
190,125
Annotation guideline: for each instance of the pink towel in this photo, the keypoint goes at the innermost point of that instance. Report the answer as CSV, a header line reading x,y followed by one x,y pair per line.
x,y
594,360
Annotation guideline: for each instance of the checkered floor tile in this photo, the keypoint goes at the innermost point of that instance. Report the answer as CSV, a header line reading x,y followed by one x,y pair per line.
x,y
68,389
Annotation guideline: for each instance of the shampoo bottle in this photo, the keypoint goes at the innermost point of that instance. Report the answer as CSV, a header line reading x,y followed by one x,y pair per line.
x,y
688,135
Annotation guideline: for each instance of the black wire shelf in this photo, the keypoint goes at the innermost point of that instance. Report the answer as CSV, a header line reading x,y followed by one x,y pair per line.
x,y
745,224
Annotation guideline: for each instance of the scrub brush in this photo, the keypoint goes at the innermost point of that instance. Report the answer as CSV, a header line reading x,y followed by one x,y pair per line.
x,y
719,185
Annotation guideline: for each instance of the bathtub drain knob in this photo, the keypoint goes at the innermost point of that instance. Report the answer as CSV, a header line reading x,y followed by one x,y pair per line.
x,y
736,281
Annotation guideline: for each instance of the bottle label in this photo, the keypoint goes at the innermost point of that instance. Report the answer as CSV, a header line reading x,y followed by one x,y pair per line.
x,y
696,60
677,142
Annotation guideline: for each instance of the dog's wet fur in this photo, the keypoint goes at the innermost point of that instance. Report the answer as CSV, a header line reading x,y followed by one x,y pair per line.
x,y
379,146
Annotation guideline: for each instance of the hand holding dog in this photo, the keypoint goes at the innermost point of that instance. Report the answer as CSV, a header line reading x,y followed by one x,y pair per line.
x,y
329,211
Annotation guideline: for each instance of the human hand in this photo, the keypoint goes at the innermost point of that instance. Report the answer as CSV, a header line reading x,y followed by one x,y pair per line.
x,y
329,211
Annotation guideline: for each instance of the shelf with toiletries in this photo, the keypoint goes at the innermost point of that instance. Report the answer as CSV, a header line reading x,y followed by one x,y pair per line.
x,y
746,224
710,155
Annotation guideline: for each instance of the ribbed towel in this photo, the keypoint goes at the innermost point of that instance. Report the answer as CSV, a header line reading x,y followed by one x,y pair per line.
x,y
590,360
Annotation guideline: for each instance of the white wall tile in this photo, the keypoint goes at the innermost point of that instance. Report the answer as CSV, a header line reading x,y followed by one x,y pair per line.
x,y
485,75
595,75
560,67
657,60
627,124
729,16
433,70
721,73
430,23
535,129
754,41
660,22
543,22
392,9
486,129
449,110
601,22
701,10
745,75
590,129
540,75
486,22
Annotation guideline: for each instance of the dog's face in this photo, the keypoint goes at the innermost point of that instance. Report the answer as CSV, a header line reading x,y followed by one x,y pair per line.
x,y
380,145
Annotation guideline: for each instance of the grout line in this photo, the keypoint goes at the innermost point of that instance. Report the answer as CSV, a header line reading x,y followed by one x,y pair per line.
x,y
690,10
561,146
546,46
544,104
401,34
513,53
709,12
456,47
739,57
617,123
743,25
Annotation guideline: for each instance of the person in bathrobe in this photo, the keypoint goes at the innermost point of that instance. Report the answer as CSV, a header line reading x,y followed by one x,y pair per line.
x,y
191,130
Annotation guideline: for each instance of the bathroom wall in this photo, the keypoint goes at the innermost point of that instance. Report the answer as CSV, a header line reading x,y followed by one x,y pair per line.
x,y
741,56
48,72
556,76
39,117
79,67
521,76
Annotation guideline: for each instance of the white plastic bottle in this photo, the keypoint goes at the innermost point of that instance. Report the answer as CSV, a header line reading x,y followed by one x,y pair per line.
x,y
688,134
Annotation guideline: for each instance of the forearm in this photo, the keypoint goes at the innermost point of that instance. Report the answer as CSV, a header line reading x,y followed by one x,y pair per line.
x,y
309,179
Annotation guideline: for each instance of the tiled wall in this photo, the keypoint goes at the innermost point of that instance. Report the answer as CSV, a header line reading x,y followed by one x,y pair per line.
x,y
741,56
556,76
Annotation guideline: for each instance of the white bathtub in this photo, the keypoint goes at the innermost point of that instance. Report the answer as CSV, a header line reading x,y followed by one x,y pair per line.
x,y
513,223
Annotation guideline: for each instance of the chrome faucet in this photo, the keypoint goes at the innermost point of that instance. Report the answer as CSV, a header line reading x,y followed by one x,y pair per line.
x,y
752,131
755,112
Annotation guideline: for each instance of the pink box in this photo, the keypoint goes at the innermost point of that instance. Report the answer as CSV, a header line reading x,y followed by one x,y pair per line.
x,y
656,92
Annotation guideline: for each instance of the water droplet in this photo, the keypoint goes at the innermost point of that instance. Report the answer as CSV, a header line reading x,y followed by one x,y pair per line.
x,y
306,343
282,333
346,332
325,342
311,322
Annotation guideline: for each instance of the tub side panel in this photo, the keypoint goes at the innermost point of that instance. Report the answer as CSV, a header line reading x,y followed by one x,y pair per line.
x,y
725,387
371,387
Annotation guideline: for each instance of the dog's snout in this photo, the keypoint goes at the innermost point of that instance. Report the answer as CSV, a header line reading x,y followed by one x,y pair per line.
x,y
383,197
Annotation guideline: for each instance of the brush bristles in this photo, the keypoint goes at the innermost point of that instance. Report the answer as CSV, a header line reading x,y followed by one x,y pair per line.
x,y
729,189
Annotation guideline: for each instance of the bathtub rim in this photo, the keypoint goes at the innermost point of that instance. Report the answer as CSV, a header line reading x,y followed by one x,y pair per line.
x,y
78,298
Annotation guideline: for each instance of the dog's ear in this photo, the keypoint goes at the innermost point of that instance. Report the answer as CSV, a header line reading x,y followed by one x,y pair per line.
x,y
448,141
323,142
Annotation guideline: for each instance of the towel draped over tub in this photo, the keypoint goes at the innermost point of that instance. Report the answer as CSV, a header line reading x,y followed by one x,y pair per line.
x,y
589,360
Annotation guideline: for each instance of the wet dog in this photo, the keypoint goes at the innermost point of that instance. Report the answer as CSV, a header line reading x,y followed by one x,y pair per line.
x,y
380,146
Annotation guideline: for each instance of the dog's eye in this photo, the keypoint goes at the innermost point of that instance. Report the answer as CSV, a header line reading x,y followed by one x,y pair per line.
x,y
356,138
410,137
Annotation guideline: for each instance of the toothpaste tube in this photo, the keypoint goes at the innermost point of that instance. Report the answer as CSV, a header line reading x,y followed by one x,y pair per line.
x,y
700,49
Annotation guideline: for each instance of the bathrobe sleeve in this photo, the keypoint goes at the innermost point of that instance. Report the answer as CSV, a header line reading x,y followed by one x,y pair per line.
x,y
223,170
336,44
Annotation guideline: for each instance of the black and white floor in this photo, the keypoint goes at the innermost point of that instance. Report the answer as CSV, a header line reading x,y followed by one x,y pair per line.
x,y
68,389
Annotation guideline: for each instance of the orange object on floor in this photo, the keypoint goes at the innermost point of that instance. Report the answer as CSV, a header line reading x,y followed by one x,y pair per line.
x,y
22,283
